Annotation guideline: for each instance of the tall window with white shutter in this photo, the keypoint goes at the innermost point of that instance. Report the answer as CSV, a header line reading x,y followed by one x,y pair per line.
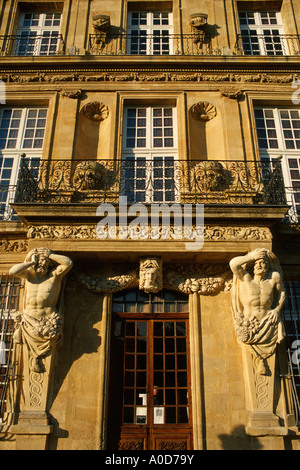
x,y
22,130
149,154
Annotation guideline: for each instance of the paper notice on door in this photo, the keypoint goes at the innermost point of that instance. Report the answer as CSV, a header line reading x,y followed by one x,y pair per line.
x,y
159,415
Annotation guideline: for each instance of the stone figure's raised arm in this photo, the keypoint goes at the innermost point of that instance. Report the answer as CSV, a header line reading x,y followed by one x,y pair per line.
x,y
236,264
64,263
21,269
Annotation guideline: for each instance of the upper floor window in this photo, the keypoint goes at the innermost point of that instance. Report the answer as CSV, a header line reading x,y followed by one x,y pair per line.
x,y
21,130
149,33
262,33
278,133
38,34
149,154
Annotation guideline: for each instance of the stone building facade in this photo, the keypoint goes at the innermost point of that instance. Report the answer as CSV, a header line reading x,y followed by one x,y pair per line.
x,y
149,158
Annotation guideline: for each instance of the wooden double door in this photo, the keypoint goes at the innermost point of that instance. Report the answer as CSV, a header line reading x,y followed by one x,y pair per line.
x,y
149,398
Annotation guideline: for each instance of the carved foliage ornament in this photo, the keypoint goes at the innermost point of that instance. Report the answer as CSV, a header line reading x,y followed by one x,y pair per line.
x,y
203,111
95,111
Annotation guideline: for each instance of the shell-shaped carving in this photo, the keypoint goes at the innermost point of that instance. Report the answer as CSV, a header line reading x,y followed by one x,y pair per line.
x,y
203,111
95,111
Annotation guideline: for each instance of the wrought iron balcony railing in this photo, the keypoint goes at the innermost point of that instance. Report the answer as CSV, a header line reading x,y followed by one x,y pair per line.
x,y
52,43
189,45
150,44
161,180
270,44
49,43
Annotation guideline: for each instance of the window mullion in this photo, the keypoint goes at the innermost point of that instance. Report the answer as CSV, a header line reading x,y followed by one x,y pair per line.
x,y
279,130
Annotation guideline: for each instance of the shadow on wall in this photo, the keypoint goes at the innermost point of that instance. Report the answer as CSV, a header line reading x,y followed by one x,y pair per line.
x,y
80,338
239,440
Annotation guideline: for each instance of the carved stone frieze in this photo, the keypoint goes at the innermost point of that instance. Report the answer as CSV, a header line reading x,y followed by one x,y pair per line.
x,y
13,245
211,232
55,77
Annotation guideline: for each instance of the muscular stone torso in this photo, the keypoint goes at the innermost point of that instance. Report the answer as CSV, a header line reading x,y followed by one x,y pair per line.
x,y
42,295
257,297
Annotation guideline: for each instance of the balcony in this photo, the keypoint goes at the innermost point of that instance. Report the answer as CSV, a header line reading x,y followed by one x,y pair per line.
x,y
50,43
150,45
161,180
191,45
251,43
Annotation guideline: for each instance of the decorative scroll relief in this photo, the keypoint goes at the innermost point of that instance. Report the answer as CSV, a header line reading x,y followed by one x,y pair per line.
x,y
17,246
39,326
257,300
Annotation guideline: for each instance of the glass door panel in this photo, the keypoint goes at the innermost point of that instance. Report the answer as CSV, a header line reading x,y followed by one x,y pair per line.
x,y
150,370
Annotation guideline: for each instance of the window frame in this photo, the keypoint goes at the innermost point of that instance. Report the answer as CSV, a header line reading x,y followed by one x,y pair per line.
x,y
146,42
35,37
11,157
260,33
146,160
292,183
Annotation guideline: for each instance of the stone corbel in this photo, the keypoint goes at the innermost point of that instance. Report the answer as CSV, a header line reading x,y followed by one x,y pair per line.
x,y
233,94
198,23
101,24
